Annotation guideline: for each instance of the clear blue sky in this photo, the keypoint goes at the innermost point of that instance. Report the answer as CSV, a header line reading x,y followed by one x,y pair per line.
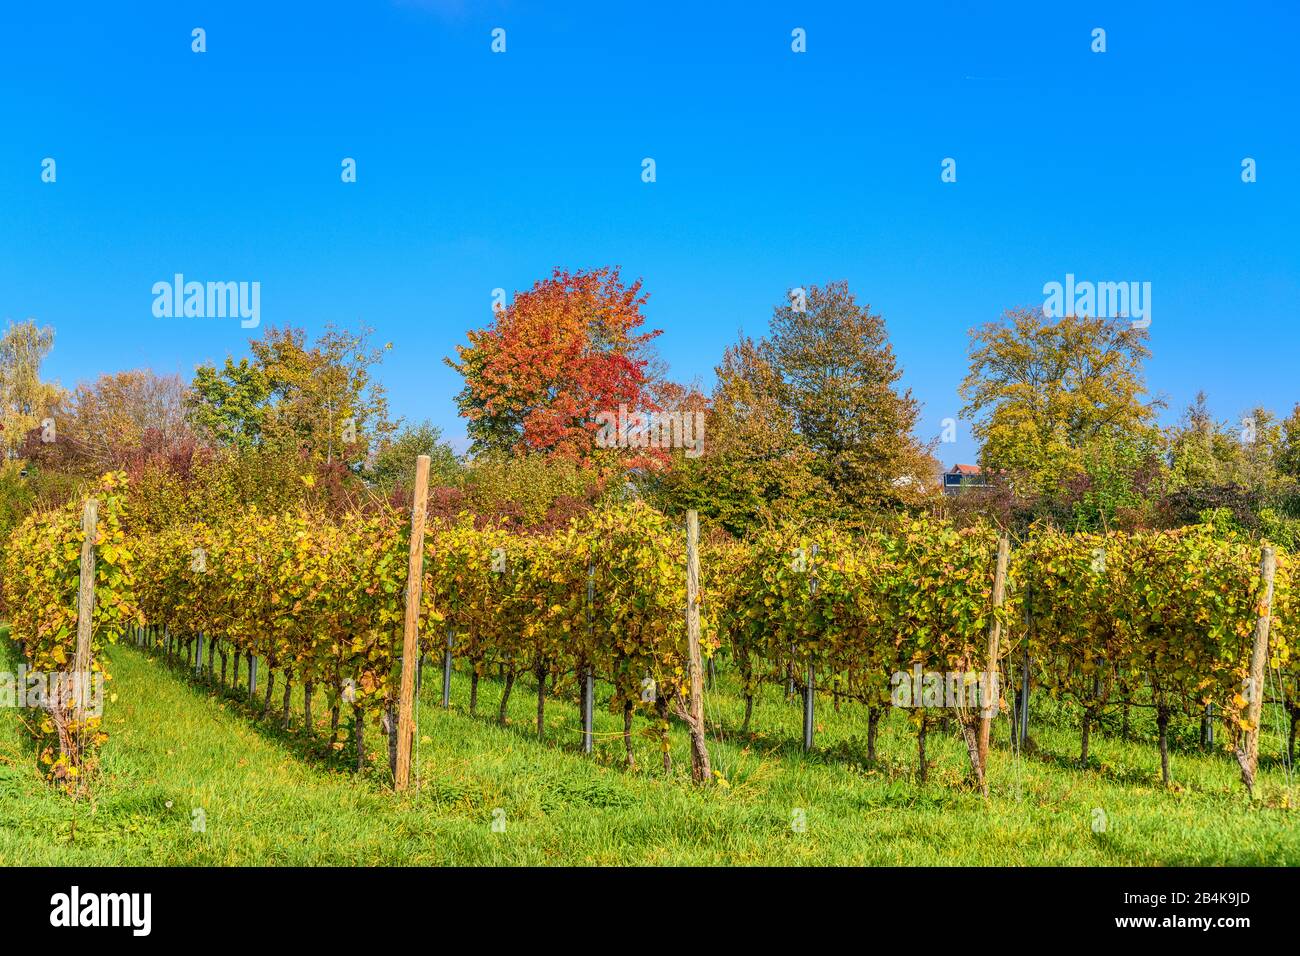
x,y
775,169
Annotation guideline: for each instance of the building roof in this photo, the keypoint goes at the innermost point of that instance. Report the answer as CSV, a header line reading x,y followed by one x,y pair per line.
x,y
965,470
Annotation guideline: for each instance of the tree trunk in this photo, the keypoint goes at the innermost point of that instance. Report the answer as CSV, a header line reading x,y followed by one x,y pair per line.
x,y
749,712
359,735
288,686
665,743
1162,722
541,704
970,728
922,767
390,720
873,725
270,684
223,667
631,758
505,694
306,707
334,721
473,691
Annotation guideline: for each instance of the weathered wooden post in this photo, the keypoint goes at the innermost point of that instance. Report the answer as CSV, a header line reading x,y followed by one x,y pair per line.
x,y
700,769
588,676
410,624
85,611
1248,752
991,693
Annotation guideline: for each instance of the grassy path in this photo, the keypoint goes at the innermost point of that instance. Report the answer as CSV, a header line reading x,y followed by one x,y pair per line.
x,y
176,748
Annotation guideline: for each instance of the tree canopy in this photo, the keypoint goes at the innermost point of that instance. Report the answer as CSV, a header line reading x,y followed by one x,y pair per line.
x,y
1041,391
553,360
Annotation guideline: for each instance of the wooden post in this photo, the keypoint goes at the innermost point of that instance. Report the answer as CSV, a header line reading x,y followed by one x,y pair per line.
x,y
588,674
700,770
410,626
1248,752
989,707
85,609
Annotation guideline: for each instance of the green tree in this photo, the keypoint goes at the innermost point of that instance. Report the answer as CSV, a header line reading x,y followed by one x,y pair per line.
x,y
1288,452
839,383
394,464
228,406
1123,475
320,399
1249,453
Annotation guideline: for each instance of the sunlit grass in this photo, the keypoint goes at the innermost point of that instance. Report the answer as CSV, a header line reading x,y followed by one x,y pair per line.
x,y
270,797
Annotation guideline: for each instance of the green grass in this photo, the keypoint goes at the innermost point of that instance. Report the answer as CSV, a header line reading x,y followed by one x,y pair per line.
x,y
271,798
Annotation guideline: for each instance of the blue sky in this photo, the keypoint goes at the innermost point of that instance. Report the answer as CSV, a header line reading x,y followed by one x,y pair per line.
x,y
775,169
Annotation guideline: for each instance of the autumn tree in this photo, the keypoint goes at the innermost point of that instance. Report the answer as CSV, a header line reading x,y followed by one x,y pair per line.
x,y
1040,391
114,418
25,400
554,359
755,467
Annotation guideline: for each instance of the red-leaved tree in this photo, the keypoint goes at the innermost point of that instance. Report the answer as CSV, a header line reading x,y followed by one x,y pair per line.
x,y
561,354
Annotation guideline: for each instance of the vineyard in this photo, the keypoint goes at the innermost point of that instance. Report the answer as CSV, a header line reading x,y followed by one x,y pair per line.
x,y
947,625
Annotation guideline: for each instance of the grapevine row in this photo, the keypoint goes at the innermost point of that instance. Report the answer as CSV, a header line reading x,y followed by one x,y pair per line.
x,y
318,601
